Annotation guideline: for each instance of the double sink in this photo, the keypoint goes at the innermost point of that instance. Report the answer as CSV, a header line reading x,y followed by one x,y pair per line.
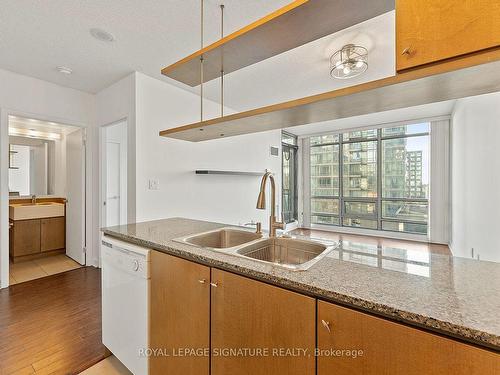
x,y
286,252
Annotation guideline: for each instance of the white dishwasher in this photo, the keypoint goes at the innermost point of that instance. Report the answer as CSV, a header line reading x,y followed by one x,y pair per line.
x,y
125,301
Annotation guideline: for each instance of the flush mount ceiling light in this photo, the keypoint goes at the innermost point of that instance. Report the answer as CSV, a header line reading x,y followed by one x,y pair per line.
x,y
349,62
102,35
64,70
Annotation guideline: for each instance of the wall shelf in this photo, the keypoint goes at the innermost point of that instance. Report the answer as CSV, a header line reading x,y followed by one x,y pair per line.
x,y
233,173
291,26
457,78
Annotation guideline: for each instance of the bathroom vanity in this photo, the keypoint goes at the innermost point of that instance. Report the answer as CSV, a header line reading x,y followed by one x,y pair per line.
x,y
36,229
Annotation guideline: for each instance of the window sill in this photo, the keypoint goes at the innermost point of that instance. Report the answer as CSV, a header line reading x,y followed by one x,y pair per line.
x,y
372,232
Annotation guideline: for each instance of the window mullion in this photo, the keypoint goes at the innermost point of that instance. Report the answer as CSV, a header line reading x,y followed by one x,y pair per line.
x,y
379,179
341,179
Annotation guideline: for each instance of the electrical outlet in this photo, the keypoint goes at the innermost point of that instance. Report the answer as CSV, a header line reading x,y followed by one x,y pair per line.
x,y
154,184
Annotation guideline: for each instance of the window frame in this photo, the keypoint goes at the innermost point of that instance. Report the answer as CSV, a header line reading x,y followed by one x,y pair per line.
x,y
378,217
292,146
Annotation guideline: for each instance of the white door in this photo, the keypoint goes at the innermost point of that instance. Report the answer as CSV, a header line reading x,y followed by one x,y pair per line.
x,y
112,184
75,207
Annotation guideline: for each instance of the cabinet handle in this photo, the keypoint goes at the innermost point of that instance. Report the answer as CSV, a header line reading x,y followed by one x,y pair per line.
x,y
406,51
215,285
202,281
326,325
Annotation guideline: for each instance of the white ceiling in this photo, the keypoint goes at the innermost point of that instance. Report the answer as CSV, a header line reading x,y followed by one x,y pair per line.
x,y
42,35
305,71
38,36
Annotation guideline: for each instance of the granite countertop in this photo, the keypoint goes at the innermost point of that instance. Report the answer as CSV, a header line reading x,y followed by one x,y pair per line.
x,y
454,296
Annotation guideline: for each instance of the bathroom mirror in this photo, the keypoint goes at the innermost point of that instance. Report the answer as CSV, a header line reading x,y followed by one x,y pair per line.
x,y
32,166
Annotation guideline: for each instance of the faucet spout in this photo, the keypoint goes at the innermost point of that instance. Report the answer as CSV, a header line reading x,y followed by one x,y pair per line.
x,y
261,203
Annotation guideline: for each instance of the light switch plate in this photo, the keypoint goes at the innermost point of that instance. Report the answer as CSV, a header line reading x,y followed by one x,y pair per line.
x,y
154,184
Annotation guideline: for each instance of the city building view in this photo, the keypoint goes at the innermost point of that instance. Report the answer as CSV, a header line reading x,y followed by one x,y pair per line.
x,y
375,179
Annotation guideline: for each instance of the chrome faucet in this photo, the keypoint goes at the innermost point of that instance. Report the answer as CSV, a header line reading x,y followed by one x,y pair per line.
x,y
33,199
261,203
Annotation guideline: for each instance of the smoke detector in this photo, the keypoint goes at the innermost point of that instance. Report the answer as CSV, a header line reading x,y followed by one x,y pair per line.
x,y
102,35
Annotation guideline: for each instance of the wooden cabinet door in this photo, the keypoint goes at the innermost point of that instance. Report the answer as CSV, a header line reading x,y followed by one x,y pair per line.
x,y
26,237
249,315
179,316
53,234
430,30
390,348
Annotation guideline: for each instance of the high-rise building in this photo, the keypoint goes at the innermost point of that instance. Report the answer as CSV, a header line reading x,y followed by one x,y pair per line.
x,y
369,179
414,186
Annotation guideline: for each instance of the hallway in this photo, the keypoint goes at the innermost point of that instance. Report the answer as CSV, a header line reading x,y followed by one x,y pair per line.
x,y
52,325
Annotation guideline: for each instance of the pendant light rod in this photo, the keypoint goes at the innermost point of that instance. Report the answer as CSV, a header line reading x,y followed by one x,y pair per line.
x,y
201,60
222,62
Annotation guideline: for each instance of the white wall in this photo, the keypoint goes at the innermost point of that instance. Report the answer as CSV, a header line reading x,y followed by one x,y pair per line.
x,y
228,199
39,169
59,187
19,179
29,97
476,177
115,104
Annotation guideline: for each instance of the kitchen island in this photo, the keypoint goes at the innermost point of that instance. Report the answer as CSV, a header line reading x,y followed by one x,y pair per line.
x,y
448,296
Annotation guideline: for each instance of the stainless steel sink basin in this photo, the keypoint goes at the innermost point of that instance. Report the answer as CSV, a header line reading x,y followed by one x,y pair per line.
x,y
291,253
222,238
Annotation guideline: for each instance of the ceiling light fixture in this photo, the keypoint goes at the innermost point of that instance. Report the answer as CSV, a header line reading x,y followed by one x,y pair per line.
x,y
349,62
64,70
32,133
102,35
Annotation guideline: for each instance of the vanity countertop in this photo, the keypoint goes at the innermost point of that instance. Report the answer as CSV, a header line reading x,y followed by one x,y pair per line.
x,y
454,296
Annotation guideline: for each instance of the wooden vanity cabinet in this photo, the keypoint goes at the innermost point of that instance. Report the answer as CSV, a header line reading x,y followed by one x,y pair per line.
x,y
179,315
428,31
390,348
52,233
254,315
24,237
35,238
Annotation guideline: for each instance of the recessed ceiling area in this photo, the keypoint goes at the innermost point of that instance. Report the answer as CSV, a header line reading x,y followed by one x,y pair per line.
x,y
33,128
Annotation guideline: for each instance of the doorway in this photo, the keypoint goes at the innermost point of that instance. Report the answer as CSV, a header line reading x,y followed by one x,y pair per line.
x,y
114,174
47,197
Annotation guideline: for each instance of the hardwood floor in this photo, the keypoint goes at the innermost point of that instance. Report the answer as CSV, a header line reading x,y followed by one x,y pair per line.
x,y
376,241
52,325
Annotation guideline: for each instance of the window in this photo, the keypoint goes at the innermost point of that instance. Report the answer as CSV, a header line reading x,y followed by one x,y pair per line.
x,y
375,179
289,176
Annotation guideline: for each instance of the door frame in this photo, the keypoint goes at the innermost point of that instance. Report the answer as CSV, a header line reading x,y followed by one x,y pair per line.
x,y
4,185
102,170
